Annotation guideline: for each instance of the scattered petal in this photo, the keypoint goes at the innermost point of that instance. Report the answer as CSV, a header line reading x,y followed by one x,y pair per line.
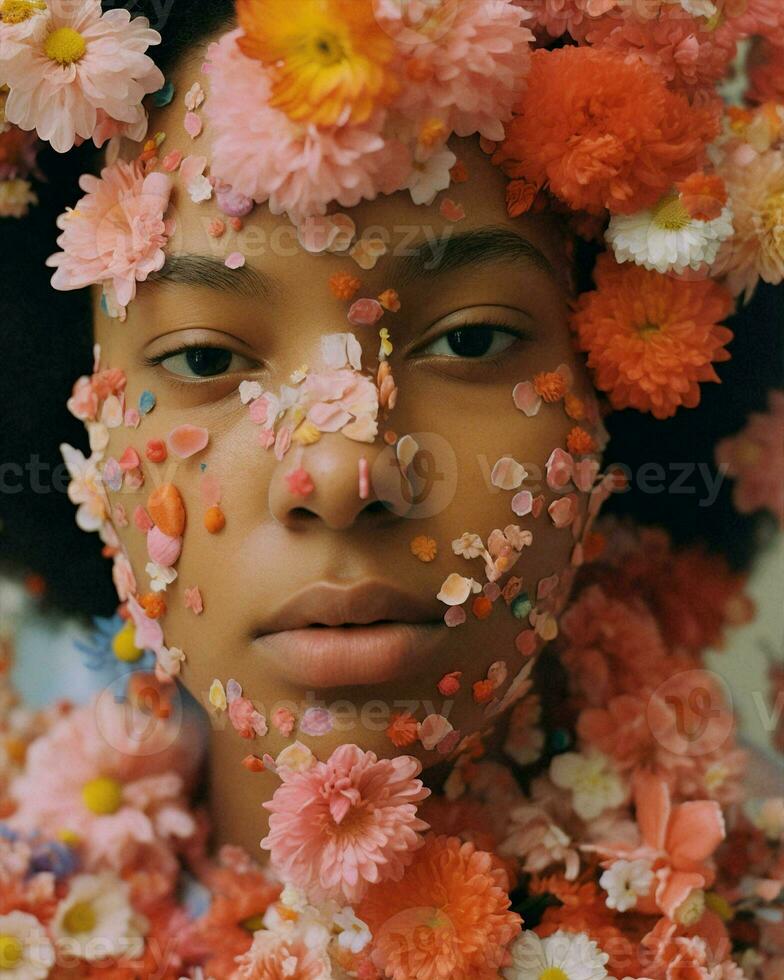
x,y
187,440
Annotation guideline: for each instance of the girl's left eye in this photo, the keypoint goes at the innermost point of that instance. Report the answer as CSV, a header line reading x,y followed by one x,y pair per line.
x,y
482,340
203,362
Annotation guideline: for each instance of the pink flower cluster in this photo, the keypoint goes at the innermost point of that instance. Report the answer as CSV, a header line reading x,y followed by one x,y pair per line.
x,y
299,169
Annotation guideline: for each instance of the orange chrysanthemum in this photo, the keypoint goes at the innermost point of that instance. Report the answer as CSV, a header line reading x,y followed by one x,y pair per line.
x,y
330,60
403,729
603,132
651,338
550,386
580,443
423,547
344,286
447,917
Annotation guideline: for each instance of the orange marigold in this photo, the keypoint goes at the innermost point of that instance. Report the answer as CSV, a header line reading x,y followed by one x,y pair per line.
x,y
390,300
423,547
459,173
154,604
344,286
603,132
550,386
403,729
482,691
520,195
330,60
580,443
651,338
447,917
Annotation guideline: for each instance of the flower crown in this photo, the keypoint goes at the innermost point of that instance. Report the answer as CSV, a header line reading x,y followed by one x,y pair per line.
x,y
606,110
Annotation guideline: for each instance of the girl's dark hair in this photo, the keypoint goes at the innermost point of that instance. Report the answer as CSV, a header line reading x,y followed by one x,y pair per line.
x,y
48,344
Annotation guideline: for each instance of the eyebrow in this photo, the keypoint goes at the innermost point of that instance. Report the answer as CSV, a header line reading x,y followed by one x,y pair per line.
x,y
478,246
212,273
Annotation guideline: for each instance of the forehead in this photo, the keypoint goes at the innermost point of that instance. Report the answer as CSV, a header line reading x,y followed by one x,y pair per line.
x,y
269,242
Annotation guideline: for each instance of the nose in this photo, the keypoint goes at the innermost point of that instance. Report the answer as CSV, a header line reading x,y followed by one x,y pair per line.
x,y
336,481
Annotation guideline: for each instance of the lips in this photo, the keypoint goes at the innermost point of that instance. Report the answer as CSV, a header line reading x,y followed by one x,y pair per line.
x,y
328,636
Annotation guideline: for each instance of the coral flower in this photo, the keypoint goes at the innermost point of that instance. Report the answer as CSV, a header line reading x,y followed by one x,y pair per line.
x,y
76,68
754,459
346,823
602,132
757,249
678,841
115,235
448,917
330,61
273,956
650,338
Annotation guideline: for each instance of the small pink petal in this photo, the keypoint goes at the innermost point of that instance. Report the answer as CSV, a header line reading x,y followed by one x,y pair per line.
x,y
142,519
163,549
563,511
507,473
132,418
538,505
235,261
282,442
193,124
120,515
448,743
171,161
492,590
433,729
191,168
546,586
129,459
316,721
134,479
523,503
194,601
455,616
451,210
365,312
210,490
187,440
526,398
525,643
216,228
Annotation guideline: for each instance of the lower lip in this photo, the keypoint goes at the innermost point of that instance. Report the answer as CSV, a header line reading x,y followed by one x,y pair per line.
x,y
336,656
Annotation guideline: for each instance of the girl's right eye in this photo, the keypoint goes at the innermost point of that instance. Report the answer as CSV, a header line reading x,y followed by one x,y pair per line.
x,y
203,362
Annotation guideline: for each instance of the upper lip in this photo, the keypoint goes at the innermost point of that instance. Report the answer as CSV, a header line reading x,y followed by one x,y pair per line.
x,y
331,605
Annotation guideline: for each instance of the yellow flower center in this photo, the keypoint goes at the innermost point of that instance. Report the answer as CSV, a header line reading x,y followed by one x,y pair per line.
x,y
102,795
123,646
80,917
326,49
17,11
65,46
670,214
773,213
11,951
253,923
553,973
691,910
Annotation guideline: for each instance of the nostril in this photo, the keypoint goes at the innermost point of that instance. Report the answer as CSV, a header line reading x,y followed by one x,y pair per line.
x,y
377,507
301,512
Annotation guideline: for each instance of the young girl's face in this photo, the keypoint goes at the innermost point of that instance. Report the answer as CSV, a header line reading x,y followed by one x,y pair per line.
x,y
331,531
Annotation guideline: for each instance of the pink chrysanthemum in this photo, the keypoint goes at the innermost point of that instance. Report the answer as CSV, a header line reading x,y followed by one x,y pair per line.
x,y
757,249
116,233
298,169
754,458
557,17
345,823
121,792
75,66
470,74
274,956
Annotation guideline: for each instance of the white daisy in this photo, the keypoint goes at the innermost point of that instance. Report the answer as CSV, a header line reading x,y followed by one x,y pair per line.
x,y
595,785
354,933
562,956
625,882
666,238
96,919
25,950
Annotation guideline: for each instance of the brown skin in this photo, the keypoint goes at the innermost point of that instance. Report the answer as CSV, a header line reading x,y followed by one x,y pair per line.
x,y
275,543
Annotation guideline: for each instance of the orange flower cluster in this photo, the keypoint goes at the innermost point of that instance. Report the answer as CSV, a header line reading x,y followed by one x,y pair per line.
x,y
600,132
